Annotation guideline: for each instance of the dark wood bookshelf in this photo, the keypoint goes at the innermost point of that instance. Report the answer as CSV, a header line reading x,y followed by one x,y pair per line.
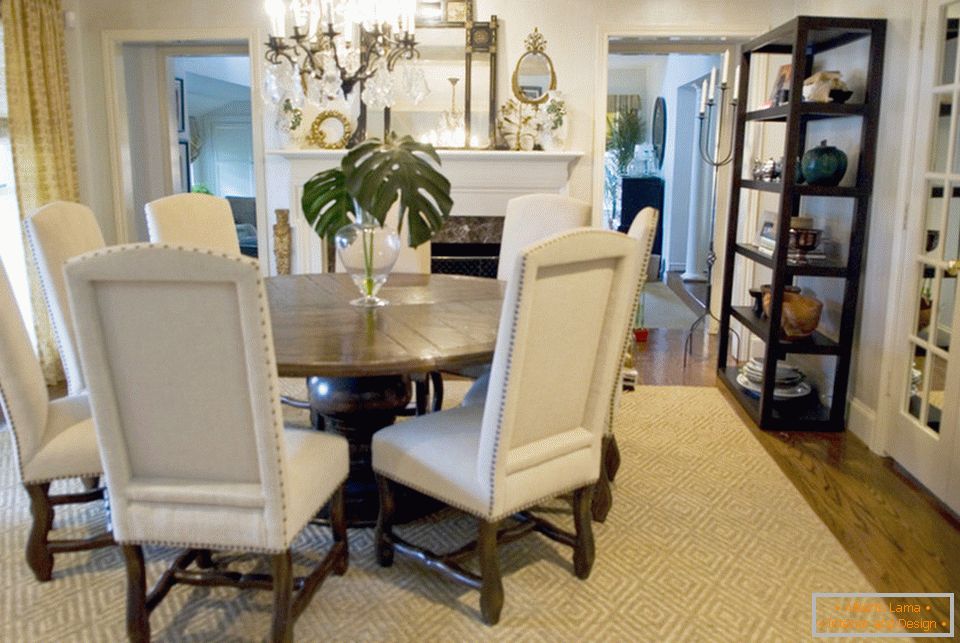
x,y
803,38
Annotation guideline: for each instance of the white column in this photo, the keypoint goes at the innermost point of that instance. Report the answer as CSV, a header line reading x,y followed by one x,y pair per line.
x,y
692,260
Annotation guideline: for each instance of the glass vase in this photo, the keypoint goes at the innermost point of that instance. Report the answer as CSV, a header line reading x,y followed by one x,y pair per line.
x,y
368,252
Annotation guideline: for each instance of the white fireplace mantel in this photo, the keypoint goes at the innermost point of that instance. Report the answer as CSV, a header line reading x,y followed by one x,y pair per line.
x,y
482,181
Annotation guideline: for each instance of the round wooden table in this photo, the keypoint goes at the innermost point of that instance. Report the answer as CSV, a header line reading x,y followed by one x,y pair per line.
x,y
359,361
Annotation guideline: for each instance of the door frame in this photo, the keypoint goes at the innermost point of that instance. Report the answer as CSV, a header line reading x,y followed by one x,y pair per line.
x,y
668,38
112,42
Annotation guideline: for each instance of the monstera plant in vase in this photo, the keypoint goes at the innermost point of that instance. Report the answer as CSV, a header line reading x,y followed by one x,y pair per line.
x,y
350,203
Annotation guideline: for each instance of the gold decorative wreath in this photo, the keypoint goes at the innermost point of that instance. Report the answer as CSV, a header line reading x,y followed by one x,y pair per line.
x,y
319,138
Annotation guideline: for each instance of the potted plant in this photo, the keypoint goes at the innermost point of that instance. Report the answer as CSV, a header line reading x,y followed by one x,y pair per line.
x,y
350,203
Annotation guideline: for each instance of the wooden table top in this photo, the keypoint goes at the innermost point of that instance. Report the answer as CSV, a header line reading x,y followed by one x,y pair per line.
x,y
433,322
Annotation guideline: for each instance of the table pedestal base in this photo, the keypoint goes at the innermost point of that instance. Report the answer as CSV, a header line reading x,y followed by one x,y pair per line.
x,y
356,408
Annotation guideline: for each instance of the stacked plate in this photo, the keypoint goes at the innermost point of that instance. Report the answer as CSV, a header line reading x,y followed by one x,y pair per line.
x,y
789,384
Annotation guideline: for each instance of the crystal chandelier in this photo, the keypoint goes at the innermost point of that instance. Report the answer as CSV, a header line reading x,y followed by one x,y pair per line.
x,y
336,45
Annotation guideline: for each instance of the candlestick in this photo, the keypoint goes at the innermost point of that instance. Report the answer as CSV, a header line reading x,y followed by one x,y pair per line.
x,y
276,11
713,82
725,62
736,84
703,97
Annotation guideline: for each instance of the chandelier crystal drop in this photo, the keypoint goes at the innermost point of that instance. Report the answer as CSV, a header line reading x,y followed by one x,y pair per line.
x,y
334,46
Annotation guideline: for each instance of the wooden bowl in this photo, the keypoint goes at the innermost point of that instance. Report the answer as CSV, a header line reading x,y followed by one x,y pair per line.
x,y
801,314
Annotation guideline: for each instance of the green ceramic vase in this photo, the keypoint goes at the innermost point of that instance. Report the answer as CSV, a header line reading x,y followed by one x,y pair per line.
x,y
824,165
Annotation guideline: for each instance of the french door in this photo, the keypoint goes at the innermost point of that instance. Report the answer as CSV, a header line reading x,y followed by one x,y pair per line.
x,y
925,438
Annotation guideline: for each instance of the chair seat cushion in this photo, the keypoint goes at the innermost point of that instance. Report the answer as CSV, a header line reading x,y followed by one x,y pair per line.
x,y
317,463
436,454
69,444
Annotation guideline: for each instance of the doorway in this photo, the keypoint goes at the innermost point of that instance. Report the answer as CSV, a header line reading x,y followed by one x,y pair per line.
x,y
183,118
653,158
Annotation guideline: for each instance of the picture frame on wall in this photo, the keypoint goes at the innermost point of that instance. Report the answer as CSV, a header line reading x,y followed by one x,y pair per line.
x,y
179,106
186,182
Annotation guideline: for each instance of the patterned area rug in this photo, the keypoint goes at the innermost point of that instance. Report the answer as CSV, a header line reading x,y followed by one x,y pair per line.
x,y
707,540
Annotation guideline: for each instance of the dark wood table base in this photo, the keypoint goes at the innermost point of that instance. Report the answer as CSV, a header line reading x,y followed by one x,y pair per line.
x,y
356,408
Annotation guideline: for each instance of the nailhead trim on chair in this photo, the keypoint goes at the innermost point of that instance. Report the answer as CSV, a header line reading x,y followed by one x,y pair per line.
x,y
513,335
58,340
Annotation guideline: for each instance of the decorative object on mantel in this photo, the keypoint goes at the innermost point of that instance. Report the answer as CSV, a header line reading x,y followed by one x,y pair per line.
x,y
370,179
518,129
536,116
826,87
330,130
824,165
282,242
534,76
553,123
451,129
334,46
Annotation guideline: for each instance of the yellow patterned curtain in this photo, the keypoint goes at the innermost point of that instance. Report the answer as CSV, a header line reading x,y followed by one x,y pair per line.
x,y
41,130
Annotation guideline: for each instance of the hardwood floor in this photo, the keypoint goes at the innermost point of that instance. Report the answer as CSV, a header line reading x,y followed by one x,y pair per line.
x,y
900,536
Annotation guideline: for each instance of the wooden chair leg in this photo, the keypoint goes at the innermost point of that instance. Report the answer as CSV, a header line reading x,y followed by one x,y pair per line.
x,y
584,551
39,556
282,629
436,380
602,495
611,456
421,393
138,618
491,588
90,483
204,559
383,535
338,522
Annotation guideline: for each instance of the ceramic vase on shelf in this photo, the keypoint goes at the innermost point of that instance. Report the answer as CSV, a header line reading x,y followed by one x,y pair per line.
x,y
824,165
368,252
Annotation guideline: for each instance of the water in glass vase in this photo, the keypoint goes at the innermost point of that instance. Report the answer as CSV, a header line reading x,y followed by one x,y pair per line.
x,y
368,252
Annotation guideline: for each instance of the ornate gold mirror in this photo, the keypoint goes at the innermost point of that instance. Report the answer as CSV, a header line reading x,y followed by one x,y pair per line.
x,y
534,77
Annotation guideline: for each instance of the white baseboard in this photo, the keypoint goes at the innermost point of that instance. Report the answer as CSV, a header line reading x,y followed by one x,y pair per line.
x,y
677,267
862,421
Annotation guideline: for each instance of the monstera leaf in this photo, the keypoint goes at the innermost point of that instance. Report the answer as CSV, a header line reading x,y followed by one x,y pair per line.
x,y
326,202
376,174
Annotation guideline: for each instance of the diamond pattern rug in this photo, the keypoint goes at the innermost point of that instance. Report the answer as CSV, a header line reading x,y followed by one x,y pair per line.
x,y
707,540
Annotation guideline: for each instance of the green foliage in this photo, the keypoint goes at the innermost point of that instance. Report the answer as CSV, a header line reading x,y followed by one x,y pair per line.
x,y
373,176
624,133
200,188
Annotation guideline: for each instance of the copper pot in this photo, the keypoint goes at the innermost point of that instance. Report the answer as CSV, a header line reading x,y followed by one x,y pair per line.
x,y
801,314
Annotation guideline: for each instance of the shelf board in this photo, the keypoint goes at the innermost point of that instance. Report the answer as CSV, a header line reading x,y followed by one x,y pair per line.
x,y
809,111
805,414
805,190
816,344
811,268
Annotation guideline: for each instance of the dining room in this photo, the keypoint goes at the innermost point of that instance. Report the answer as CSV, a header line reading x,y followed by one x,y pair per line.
x,y
396,383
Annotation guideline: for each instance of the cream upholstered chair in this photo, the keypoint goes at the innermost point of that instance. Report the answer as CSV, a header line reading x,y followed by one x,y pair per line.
x,y
538,434
533,217
643,229
56,232
195,220
52,439
178,352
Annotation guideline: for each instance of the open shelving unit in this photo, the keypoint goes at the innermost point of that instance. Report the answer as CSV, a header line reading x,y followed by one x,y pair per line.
x,y
803,38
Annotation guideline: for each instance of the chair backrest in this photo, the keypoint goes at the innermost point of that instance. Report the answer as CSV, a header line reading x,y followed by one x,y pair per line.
x,y
644,230
178,351
59,231
561,331
193,220
23,391
533,217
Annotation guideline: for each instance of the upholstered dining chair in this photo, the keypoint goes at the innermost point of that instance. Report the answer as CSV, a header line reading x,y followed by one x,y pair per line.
x,y
643,229
52,439
194,220
178,352
539,431
533,217
56,232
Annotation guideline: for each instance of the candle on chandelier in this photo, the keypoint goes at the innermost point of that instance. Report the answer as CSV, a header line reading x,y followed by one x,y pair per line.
x,y
276,11
703,97
736,84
